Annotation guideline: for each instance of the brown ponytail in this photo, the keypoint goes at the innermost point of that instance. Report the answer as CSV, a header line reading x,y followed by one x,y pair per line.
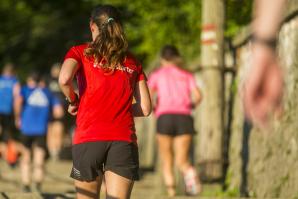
x,y
110,46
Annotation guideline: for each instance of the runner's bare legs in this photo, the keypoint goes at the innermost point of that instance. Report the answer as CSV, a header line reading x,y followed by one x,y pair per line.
x,y
117,187
88,190
165,146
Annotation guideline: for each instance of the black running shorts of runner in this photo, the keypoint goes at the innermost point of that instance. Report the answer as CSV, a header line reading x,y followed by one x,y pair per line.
x,y
92,159
175,124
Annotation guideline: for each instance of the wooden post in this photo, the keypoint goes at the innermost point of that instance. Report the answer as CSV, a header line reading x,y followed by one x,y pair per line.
x,y
212,61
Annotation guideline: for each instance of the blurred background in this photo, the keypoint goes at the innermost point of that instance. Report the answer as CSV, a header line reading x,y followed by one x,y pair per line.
x,y
234,159
35,34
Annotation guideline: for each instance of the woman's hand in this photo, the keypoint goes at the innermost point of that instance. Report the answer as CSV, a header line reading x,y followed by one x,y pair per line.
x,y
18,122
264,86
72,109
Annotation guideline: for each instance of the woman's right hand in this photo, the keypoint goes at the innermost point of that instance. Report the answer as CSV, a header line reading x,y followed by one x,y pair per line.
x,y
18,122
263,86
72,109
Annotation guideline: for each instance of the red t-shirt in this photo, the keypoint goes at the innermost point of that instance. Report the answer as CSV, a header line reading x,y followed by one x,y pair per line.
x,y
105,108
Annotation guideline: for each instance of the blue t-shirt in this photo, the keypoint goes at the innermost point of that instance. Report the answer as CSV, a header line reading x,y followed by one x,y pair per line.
x,y
37,108
7,84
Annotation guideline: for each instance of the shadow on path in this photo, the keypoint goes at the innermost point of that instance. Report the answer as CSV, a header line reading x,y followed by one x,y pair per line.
x,y
58,195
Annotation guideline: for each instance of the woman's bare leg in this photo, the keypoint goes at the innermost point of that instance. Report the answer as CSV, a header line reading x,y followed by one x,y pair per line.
x,y
117,187
182,144
55,138
25,166
55,133
38,165
165,146
88,190
3,150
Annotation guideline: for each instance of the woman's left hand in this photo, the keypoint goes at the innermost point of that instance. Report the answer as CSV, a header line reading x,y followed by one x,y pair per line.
x,y
72,109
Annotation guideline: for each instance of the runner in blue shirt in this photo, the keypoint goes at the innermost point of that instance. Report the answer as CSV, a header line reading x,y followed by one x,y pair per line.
x,y
9,88
34,107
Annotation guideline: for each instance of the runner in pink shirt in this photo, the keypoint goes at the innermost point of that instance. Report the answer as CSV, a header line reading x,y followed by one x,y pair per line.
x,y
173,88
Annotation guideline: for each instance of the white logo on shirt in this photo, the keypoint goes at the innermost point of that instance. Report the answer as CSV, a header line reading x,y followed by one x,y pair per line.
x,y
122,68
38,98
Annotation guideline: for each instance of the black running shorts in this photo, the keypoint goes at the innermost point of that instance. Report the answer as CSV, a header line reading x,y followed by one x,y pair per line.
x,y
91,159
175,124
7,127
39,141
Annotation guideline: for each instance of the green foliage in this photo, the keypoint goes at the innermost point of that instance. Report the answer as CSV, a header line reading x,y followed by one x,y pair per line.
x,y
35,33
238,13
166,22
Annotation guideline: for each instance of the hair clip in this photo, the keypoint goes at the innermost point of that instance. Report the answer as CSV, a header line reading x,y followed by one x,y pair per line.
x,y
110,19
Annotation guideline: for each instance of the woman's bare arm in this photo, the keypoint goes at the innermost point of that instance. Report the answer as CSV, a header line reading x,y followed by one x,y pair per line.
x,y
143,106
18,106
197,96
268,17
67,73
264,83
153,98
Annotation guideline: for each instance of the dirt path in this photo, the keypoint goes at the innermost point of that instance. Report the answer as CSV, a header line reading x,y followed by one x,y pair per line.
x,y
58,184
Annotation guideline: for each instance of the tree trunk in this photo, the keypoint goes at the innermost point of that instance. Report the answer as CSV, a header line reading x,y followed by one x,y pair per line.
x,y
212,61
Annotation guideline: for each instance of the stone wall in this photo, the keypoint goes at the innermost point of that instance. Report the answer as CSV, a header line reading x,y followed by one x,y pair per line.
x,y
273,158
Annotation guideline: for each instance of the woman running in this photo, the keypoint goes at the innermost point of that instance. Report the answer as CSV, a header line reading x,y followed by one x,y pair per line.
x,y
174,88
109,77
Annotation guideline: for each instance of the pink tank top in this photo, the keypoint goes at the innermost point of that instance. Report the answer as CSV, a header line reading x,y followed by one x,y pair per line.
x,y
173,86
